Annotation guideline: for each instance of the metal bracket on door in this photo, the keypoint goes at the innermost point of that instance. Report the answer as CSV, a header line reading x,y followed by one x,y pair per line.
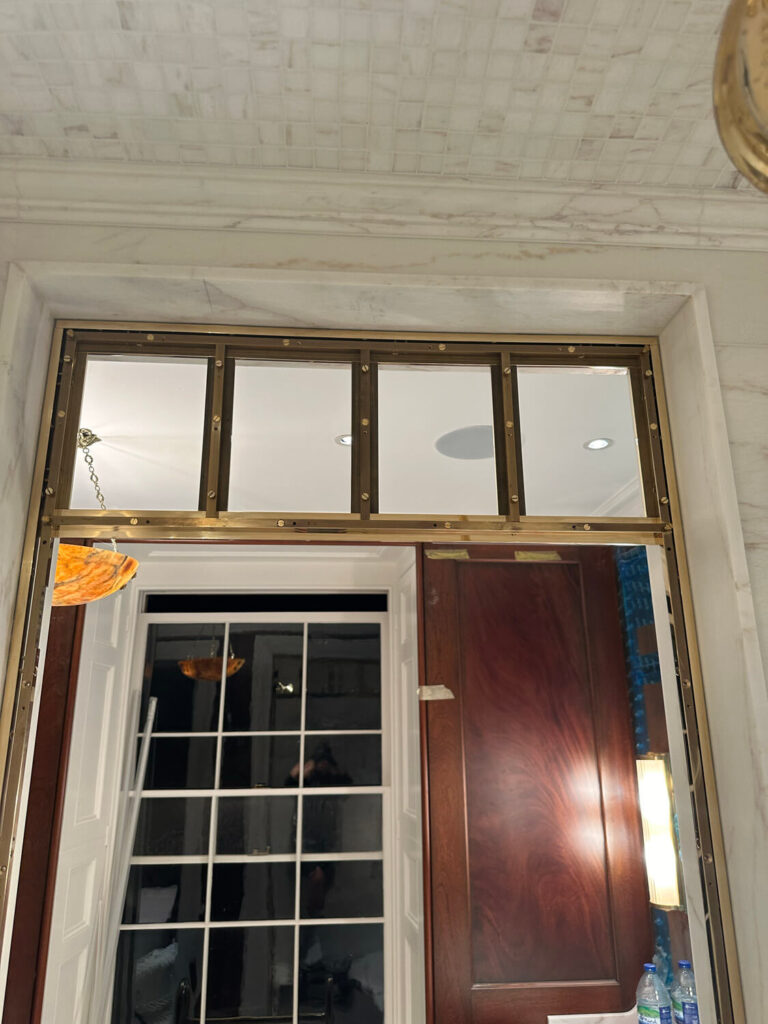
x,y
435,692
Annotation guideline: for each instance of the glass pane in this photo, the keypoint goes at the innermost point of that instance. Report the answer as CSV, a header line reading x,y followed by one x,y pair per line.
x,y
158,976
564,410
256,825
184,703
149,413
341,824
165,892
173,826
251,761
250,974
253,892
344,677
286,422
342,761
341,973
341,889
436,450
178,763
266,693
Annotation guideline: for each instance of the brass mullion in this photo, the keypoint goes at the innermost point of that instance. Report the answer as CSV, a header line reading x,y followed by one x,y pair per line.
x,y
363,455
212,433
61,460
225,454
505,437
643,396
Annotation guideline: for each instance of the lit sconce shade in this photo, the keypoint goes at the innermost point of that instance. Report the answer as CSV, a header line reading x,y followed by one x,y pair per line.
x,y
661,857
87,574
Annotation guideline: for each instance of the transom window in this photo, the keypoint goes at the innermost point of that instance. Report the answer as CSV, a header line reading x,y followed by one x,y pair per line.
x,y
257,882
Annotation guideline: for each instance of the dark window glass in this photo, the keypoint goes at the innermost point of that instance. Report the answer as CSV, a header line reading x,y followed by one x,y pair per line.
x,y
184,703
250,761
173,825
266,693
256,825
344,677
177,763
253,892
250,974
341,824
341,888
158,976
341,973
342,761
165,892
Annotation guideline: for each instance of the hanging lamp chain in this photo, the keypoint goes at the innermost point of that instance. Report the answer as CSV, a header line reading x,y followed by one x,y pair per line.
x,y
85,438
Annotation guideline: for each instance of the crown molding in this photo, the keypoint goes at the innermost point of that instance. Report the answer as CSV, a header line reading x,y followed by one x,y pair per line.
x,y
320,202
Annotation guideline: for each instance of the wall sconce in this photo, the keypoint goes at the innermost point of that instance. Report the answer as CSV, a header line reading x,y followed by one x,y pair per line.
x,y
662,862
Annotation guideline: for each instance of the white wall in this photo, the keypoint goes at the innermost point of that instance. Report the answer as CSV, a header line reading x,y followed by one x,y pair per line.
x,y
121,257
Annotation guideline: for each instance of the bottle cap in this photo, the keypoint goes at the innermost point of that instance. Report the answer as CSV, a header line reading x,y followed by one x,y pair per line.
x,y
650,967
683,963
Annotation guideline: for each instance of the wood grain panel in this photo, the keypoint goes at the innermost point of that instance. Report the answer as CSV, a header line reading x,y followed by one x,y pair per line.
x,y
537,860
539,900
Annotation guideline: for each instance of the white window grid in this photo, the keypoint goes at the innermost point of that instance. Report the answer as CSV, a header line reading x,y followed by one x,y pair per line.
x,y
297,857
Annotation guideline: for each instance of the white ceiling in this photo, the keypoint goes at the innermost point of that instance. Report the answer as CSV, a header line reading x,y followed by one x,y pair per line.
x,y
572,91
287,417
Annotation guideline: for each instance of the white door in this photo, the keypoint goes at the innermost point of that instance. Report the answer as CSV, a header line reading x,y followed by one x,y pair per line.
x,y
95,768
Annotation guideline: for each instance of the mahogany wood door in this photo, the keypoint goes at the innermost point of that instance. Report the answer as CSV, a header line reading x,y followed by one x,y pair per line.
x,y
539,901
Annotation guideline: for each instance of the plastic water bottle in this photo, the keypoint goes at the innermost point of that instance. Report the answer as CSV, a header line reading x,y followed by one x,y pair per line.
x,y
685,1005
653,1003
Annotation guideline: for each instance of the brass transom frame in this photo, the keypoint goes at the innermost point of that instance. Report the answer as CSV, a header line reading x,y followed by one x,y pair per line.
x,y
221,346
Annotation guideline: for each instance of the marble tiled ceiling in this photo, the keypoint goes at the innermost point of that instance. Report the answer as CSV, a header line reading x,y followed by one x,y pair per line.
x,y
575,91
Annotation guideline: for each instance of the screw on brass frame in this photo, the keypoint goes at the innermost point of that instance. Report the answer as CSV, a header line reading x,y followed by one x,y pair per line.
x,y
364,367
707,858
667,527
654,426
281,522
514,498
286,341
507,370
134,521
571,348
664,501
441,347
447,526
587,526
211,494
217,418
45,519
649,373
150,337
61,414
365,495
67,359
49,491
509,424
219,363
70,333
365,422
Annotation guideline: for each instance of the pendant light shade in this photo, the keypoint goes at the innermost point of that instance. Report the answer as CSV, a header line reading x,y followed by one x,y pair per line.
x,y
209,669
87,574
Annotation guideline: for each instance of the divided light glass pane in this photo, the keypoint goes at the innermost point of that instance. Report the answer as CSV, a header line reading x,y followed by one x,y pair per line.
x,y
579,442
286,423
248,762
257,825
342,761
254,892
342,888
341,824
250,975
149,412
158,975
184,703
341,965
436,448
344,677
172,826
159,893
181,763
265,694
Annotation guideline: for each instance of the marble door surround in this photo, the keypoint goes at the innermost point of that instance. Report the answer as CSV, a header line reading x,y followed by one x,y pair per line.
x,y
39,292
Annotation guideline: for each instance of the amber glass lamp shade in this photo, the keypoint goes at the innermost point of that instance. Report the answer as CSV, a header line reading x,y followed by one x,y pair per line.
x,y
87,574
209,669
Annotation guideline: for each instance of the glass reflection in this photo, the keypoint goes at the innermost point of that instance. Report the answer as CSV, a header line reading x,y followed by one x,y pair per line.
x,y
344,677
343,761
183,704
250,974
251,761
158,977
341,824
257,825
266,693
173,825
177,763
341,889
253,892
341,974
165,892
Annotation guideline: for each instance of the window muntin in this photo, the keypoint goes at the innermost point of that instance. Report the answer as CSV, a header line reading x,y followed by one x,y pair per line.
x,y
243,871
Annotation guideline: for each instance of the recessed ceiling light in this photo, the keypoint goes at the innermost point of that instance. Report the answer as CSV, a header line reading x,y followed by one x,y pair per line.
x,y
474,442
344,439
597,443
